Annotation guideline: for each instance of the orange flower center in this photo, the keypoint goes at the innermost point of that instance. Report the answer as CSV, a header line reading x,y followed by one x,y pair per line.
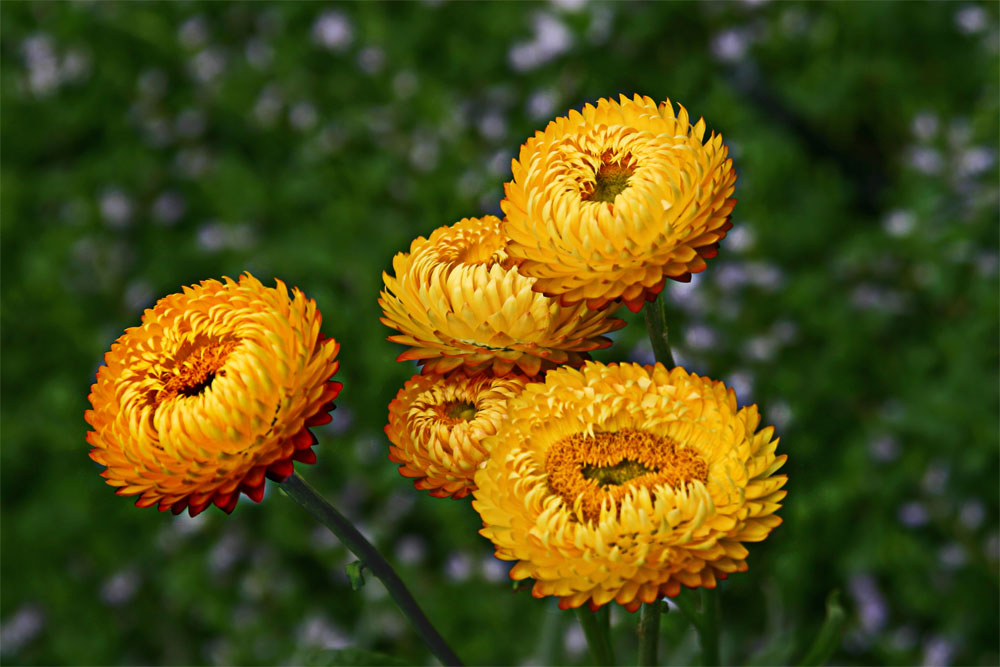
x,y
610,179
454,412
604,468
194,368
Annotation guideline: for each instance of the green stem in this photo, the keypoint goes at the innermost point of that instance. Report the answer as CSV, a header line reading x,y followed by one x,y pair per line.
x,y
297,488
709,627
649,633
604,618
656,325
597,636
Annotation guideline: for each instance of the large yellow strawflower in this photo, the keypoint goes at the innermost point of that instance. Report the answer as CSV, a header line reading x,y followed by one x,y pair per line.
x,y
608,203
438,424
215,390
624,482
457,301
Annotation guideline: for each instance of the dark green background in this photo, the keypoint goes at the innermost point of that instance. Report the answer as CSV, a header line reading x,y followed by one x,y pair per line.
x,y
147,146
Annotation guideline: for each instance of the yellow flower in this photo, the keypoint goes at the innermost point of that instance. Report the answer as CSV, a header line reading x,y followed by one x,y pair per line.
x,y
608,203
456,300
624,482
437,425
215,390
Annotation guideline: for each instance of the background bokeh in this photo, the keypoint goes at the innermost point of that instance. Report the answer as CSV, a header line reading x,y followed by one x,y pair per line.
x,y
150,145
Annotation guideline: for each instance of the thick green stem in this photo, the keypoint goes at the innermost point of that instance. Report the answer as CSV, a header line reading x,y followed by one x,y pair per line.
x,y
315,504
649,633
597,636
656,325
604,618
709,627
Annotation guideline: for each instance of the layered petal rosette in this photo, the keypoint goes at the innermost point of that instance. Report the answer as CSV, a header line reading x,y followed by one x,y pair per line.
x,y
608,203
624,482
457,301
213,392
438,425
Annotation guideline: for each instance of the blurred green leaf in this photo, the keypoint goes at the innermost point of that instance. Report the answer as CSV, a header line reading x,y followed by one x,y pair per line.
x,y
355,572
828,638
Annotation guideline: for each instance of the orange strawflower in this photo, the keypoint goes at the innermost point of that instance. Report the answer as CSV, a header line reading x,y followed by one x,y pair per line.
x,y
607,203
213,392
625,482
437,425
457,302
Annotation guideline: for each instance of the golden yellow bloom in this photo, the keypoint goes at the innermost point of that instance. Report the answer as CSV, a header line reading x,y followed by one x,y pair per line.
x,y
215,390
624,482
609,202
437,425
456,300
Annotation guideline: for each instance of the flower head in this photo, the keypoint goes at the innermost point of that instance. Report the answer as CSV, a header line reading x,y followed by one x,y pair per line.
x,y
438,424
608,203
215,390
457,301
623,482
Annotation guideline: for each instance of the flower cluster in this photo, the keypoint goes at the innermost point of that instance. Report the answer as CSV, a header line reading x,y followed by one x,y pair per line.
x,y
602,482
470,320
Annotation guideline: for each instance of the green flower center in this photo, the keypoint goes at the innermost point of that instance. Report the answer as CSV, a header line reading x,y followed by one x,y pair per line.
x,y
610,179
619,473
459,411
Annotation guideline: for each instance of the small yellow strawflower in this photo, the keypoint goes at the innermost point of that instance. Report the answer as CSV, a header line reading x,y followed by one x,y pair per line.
x,y
213,392
457,301
608,203
624,482
437,425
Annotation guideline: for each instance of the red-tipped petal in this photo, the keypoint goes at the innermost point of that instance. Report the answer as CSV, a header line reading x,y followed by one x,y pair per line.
x,y
255,493
195,510
255,477
307,456
303,439
279,471
319,419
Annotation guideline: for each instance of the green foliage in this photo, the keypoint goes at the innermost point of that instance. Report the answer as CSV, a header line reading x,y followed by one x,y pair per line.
x,y
150,145
829,635
355,574
351,656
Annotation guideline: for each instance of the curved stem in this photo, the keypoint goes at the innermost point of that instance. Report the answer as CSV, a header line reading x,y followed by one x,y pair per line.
x,y
656,325
597,636
649,633
709,627
299,491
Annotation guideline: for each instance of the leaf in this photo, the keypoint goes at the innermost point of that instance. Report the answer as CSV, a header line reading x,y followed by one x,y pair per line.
x,y
355,574
828,638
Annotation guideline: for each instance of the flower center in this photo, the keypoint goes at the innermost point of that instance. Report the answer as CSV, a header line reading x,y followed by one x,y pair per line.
x,y
591,471
610,179
457,411
480,253
195,367
619,473
473,246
